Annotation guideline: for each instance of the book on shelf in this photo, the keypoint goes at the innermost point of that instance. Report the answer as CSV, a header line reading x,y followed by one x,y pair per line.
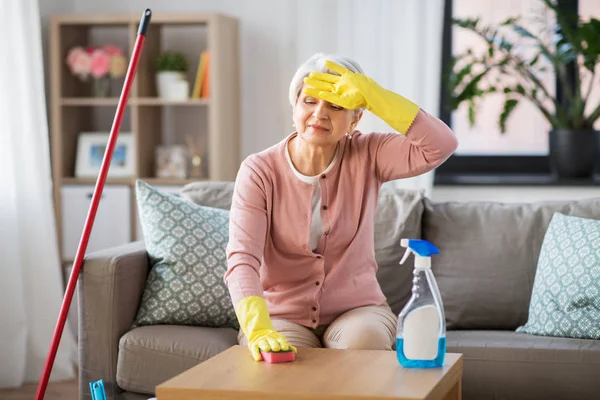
x,y
201,89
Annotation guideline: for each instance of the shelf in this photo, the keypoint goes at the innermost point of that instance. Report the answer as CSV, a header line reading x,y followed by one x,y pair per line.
x,y
89,101
97,19
128,181
155,101
142,101
192,18
92,181
154,122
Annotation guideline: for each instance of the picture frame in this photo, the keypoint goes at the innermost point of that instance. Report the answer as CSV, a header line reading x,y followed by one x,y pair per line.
x,y
90,153
172,161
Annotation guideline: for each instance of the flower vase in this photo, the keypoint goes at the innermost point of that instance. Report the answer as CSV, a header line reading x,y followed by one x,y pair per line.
x,y
101,87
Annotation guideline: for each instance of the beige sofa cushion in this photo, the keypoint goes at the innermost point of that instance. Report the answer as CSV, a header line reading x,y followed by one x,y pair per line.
x,y
488,256
150,355
502,364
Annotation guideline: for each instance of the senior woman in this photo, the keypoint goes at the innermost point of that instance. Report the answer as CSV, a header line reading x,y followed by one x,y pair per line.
x,y
301,266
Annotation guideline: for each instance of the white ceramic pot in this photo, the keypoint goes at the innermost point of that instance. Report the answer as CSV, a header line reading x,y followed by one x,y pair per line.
x,y
172,85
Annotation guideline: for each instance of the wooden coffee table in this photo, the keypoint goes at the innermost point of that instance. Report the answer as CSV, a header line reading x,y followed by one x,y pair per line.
x,y
316,374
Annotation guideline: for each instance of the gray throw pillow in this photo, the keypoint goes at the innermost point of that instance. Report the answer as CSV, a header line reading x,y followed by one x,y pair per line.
x,y
488,256
209,193
398,216
186,246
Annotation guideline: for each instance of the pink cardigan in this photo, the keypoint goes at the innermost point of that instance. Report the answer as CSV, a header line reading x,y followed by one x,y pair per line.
x,y
268,252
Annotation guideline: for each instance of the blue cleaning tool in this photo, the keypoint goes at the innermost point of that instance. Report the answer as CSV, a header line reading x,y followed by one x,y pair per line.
x,y
97,390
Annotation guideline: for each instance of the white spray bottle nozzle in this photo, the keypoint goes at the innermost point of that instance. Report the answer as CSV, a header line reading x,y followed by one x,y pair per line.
x,y
422,250
404,243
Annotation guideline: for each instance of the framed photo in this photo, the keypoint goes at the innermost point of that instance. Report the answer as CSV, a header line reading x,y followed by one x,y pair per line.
x,y
171,162
91,147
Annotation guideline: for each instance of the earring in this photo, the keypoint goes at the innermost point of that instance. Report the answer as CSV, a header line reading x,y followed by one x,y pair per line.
x,y
348,135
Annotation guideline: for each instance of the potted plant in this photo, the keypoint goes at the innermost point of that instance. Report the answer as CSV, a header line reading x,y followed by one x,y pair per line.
x,y
171,68
570,48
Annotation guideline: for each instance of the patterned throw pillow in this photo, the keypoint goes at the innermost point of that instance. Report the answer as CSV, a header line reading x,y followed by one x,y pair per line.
x,y
566,292
186,246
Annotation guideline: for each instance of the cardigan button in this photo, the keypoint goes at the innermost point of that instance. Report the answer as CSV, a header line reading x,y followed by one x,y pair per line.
x,y
324,207
314,321
314,308
323,176
317,283
327,233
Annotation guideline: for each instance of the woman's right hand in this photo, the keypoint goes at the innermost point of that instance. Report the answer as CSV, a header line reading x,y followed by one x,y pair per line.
x,y
253,315
268,340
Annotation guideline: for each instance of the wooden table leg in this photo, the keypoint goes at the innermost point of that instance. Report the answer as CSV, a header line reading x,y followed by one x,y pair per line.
x,y
456,392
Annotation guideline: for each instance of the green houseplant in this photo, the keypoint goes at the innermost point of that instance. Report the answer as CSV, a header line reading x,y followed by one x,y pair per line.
x,y
570,48
171,82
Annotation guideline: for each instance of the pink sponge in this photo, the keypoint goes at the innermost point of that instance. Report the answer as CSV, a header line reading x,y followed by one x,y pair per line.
x,y
274,357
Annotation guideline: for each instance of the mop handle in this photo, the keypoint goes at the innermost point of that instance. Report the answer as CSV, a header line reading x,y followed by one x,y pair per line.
x,y
89,222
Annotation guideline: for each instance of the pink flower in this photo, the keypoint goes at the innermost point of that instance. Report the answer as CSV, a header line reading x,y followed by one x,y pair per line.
x,y
113,50
100,63
73,54
79,62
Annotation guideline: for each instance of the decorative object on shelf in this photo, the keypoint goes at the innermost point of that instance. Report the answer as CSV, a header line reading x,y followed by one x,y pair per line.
x,y
195,144
171,82
91,147
101,63
171,161
569,48
201,85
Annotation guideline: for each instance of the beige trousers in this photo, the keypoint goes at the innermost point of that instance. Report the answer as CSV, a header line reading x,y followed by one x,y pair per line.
x,y
367,328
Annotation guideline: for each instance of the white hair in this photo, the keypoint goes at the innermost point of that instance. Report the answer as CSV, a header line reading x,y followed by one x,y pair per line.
x,y
316,63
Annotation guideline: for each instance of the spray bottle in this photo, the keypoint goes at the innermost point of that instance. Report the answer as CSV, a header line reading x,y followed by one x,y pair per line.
x,y
421,333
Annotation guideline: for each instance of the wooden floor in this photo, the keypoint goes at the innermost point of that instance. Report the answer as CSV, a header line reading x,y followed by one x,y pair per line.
x,y
54,391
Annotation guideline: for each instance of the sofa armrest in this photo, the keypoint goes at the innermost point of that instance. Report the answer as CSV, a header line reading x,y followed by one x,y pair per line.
x,y
110,286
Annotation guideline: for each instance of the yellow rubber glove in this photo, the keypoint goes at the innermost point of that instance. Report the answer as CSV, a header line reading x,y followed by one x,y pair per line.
x,y
351,90
253,315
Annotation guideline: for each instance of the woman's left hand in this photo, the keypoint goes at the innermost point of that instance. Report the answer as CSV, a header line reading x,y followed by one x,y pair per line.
x,y
353,90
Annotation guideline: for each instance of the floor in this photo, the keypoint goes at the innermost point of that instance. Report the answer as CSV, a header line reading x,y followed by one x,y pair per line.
x,y
54,391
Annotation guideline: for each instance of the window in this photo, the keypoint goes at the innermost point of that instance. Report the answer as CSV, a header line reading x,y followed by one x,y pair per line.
x,y
591,9
526,129
483,149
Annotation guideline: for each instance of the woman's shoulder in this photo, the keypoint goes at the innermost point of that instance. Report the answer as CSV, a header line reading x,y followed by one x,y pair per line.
x,y
265,162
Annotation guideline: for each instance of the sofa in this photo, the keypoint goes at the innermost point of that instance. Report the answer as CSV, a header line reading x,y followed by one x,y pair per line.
x,y
485,273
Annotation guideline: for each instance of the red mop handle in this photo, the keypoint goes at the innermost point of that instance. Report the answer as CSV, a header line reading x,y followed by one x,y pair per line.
x,y
89,222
